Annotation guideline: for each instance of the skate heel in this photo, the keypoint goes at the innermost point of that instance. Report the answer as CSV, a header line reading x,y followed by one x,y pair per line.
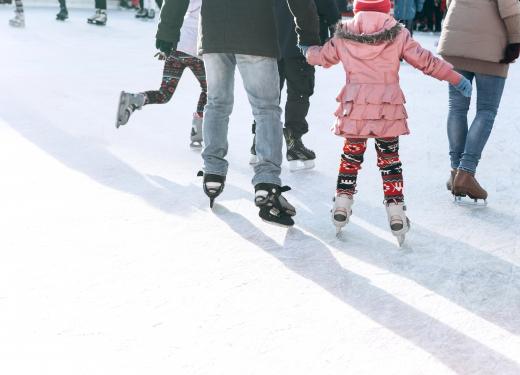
x,y
253,159
397,219
213,185
274,208
341,211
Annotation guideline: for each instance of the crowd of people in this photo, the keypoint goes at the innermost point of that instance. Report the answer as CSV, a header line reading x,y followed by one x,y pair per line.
x,y
276,44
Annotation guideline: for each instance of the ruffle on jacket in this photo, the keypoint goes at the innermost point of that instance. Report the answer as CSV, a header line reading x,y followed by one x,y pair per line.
x,y
371,111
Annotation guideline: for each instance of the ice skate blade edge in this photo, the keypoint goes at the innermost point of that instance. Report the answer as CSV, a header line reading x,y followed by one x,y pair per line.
x,y
470,202
299,165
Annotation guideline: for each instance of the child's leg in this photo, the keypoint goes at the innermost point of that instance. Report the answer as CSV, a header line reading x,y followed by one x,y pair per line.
x,y
173,69
351,160
390,166
197,67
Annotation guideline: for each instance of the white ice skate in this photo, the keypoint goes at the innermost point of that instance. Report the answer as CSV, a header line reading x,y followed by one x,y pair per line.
x,y
399,223
196,132
99,18
341,211
128,103
18,20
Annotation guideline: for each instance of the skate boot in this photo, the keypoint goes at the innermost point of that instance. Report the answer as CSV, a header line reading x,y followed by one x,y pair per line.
x,y
63,14
449,183
253,159
299,156
399,223
141,13
274,208
465,184
99,18
196,131
213,185
341,210
18,20
128,103
151,14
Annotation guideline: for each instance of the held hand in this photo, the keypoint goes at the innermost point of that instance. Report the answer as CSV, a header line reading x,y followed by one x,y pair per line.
x,y
512,53
303,49
464,87
164,46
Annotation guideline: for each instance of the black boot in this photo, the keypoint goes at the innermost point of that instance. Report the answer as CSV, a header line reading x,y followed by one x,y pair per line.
x,y
274,208
213,185
297,153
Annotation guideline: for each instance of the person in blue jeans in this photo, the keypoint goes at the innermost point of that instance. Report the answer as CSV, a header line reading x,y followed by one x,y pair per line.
x,y
242,34
486,63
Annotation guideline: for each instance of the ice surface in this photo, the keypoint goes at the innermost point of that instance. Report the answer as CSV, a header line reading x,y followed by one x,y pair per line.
x,y
112,263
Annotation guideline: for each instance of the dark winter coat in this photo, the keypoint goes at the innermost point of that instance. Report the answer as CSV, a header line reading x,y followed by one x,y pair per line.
x,y
406,9
239,26
328,14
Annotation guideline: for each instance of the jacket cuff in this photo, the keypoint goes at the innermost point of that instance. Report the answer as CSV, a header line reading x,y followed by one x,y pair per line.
x,y
513,29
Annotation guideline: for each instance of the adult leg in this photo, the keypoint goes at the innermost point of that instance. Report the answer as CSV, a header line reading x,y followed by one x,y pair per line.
x,y
101,4
458,121
351,160
391,168
173,68
197,67
489,94
220,73
262,84
18,6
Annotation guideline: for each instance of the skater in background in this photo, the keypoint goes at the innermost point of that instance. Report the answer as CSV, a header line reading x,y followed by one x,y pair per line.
x,y
19,16
294,71
496,25
100,17
433,15
148,11
242,34
406,10
184,56
63,14
371,104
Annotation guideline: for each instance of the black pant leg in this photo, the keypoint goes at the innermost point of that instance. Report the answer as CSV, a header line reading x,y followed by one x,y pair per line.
x,y
101,4
300,86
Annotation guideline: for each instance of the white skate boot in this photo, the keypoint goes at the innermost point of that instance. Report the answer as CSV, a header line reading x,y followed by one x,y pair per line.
x,y
399,223
196,132
341,211
128,103
18,20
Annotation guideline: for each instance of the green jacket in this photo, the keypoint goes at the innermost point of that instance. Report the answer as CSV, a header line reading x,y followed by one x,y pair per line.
x,y
239,26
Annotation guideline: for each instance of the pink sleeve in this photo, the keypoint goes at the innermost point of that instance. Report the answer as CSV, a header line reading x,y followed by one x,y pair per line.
x,y
427,62
325,56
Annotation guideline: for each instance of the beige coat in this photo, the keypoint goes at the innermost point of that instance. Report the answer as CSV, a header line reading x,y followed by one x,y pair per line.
x,y
476,33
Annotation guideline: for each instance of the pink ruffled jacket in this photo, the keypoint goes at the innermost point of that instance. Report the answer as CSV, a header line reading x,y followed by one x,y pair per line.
x,y
371,104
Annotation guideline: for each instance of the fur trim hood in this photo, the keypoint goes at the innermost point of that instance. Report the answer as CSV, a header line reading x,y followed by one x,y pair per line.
x,y
383,36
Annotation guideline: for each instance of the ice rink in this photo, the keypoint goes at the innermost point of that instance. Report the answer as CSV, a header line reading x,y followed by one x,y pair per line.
x,y
111,261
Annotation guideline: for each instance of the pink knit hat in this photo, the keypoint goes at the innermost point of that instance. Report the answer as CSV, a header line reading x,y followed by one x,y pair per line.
x,y
382,6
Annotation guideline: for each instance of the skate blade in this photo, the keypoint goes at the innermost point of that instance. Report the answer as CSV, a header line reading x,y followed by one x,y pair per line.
x,y
400,239
470,202
299,165
276,224
253,160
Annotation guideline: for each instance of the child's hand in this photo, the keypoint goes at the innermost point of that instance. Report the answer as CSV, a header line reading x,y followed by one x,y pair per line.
x,y
464,87
303,49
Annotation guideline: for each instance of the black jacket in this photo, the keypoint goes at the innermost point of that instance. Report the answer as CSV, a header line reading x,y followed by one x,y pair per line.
x,y
239,26
328,16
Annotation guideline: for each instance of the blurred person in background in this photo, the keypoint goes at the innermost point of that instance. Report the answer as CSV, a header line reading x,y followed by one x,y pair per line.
x,y
19,17
100,17
406,10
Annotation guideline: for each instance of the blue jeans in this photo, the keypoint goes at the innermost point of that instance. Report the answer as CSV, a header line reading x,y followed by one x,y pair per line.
x,y
466,145
262,84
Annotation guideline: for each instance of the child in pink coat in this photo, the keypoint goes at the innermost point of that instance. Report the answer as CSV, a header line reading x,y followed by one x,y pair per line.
x,y
371,104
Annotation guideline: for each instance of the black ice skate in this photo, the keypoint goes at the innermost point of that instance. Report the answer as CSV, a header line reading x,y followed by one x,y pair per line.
x,y
213,185
128,103
299,156
196,132
99,18
63,14
399,223
274,208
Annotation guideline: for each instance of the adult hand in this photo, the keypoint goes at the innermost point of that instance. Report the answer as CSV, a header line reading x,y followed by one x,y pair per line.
x,y
464,87
164,46
512,53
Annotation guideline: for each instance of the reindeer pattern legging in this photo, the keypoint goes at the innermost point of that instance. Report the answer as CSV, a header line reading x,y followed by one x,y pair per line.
x,y
387,160
173,68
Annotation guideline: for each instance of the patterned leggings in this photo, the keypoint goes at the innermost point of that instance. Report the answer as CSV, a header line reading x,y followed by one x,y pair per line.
x,y
387,160
173,68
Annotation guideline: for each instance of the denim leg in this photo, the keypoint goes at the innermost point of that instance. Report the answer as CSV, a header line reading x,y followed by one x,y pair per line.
x,y
262,84
458,121
220,76
489,93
